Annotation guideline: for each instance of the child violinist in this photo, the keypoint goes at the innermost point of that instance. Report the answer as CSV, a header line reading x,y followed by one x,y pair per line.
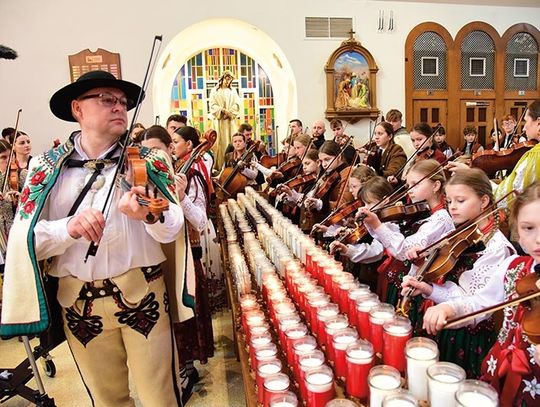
x,y
468,195
425,181
329,191
290,195
510,366
365,254
423,143
471,146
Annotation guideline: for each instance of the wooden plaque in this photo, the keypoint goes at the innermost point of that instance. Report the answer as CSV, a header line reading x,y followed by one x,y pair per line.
x,y
86,61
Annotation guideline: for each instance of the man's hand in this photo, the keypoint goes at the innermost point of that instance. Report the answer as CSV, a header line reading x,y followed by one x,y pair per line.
x,y
88,224
129,206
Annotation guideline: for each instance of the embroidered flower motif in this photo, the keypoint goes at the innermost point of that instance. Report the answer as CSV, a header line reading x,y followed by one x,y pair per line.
x,y
37,178
531,349
532,387
160,166
492,365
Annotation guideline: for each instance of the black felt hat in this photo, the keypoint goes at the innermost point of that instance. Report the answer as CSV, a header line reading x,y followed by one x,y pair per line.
x,y
61,101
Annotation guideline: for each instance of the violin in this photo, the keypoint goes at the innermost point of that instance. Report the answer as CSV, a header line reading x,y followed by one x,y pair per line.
x,y
396,213
341,213
442,260
205,145
351,236
231,181
296,182
528,290
492,161
286,166
273,161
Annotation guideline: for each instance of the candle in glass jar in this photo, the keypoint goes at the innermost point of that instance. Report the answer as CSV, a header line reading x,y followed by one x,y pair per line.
x,y
331,326
396,333
474,393
382,381
341,403
323,314
378,315
307,361
363,306
256,342
400,398
319,386
443,381
304,345
341,340
265,368
314,304
275,384
352,296
292,334
420,353
360,359
284,399
266,352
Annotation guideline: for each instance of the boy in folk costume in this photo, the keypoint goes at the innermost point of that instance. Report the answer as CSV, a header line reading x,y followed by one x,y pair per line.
x,y
115,306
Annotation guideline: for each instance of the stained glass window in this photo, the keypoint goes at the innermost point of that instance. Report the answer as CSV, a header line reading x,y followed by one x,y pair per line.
x,y
195,79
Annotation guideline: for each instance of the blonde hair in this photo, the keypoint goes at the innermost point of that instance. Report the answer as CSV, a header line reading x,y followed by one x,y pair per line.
x,y
433,167
476,179
303,139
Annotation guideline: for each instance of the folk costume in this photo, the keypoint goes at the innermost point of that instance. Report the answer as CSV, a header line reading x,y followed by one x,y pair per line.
x,y
391,160
115,306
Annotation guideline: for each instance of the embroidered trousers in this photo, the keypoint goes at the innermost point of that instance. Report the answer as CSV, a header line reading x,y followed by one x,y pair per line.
x,y
110,337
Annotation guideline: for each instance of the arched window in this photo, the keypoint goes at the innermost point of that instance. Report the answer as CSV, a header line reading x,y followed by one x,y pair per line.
x,y
430,61
195,79
521,62
478,61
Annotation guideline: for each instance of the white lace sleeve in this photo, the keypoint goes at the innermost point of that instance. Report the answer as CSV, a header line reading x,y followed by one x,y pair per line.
x,y
364,252
473,280
431,230
491,294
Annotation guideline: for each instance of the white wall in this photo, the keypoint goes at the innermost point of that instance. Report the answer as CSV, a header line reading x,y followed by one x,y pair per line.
x,y
45,32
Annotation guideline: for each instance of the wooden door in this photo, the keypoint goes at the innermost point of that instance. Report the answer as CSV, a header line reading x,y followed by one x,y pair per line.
x,y
478,113
516,108
432,112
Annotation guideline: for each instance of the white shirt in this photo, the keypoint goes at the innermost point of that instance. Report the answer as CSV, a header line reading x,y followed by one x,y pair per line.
x,y
194,205
126,243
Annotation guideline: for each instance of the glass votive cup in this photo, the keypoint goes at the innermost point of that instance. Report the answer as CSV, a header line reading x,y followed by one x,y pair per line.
x,y
352,296
378,315
252,317
325,313
443,381
256,342
400,398
382,381
265,352
306,361
284,399
275,384
319,386
341,403
360,360
420,353
341,340
265,368
292,334
331,326
396,333
363,306
303,345
474,393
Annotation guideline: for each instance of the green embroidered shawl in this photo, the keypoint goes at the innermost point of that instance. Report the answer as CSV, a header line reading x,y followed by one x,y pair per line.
x,y
24,307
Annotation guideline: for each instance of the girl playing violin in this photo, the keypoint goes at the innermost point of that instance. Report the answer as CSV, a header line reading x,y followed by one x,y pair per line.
x,y
195,336
440,142
421,138
327,193
22,147
468,195
421,233
387,157
509,365
291,166
367,252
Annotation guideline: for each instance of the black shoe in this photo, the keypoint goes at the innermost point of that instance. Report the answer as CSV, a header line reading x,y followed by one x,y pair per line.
x,y
194,377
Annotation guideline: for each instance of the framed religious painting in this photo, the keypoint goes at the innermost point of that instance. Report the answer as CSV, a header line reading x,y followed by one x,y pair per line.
x,y
351,83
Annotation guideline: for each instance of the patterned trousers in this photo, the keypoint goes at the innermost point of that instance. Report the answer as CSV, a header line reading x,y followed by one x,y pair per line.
x,y
109,337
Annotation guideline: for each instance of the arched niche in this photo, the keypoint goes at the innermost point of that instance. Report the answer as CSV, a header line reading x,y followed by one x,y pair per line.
x,y
236,34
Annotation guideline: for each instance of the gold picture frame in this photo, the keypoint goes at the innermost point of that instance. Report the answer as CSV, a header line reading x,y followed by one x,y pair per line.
x,y
351,83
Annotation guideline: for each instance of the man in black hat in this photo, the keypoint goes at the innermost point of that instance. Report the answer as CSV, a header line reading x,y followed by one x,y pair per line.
x,y
115,305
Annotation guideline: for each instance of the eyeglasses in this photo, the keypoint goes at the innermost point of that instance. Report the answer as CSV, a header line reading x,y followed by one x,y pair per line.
x,y
109,100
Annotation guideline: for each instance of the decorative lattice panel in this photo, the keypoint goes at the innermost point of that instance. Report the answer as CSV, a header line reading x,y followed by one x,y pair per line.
x,y
430,61
477,49
523,48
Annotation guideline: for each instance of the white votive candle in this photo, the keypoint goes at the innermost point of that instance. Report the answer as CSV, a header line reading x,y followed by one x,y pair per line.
x,y
382,381
473,393
421,353
443,381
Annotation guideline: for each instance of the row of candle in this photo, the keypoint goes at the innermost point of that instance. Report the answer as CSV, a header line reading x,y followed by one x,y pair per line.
x,y
389,334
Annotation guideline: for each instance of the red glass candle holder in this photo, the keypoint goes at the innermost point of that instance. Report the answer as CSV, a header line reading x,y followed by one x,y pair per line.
x,y
396,333
378,315
360,359
363,306
308,361
341,340
265,369
275,384
319,386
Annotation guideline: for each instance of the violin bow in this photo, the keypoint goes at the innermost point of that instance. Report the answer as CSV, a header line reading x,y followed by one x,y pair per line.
x,y
11,154
345,185
496,145
517,124
418,150
120,168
